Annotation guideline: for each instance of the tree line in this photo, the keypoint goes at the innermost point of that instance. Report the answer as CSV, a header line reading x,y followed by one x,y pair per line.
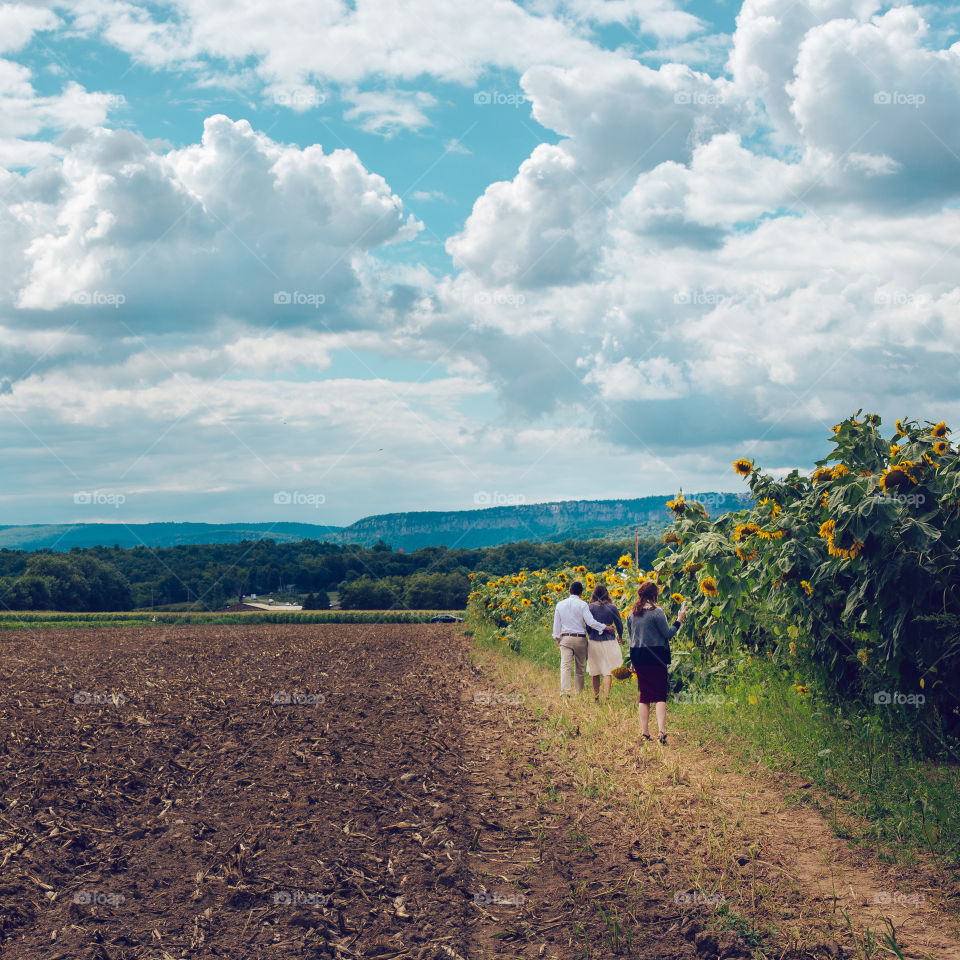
x,y
211,576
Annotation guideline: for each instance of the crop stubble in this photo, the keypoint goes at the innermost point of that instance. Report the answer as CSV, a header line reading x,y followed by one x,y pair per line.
x,y
285,791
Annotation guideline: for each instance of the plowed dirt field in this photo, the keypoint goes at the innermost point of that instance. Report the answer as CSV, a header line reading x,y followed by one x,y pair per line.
x,y
292,791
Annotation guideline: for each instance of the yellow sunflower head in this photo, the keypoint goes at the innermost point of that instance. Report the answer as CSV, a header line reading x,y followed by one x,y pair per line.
x,y
807,589
676,597
940,430
896,476
940,447
625,562
743,467
709,586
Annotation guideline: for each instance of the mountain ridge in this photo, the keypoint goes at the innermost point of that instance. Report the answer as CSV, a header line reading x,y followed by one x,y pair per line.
x,y
410,530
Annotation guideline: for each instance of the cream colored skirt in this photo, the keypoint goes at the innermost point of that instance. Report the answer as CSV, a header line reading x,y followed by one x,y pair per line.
x,y
603,656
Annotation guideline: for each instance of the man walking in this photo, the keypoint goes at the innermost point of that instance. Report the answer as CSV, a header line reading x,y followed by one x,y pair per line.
x,y
570,621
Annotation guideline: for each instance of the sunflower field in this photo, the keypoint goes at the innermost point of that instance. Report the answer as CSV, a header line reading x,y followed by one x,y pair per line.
x,y
847,574
519,602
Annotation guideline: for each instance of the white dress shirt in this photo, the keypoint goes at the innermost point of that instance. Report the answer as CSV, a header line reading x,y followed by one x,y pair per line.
x,y
572,616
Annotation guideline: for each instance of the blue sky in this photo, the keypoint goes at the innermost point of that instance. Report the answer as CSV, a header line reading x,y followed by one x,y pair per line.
x,y
586,249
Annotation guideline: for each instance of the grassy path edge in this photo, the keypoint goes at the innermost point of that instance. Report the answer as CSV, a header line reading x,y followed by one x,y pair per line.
x,y
776,872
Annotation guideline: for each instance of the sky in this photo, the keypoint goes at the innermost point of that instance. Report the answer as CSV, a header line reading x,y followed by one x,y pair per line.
x,y
311,262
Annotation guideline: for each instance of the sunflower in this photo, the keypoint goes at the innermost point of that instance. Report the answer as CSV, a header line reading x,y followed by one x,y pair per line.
x,y
625,562
524,602
677,506
940,447
676,597
743,530
743,467
940,430
747,554
901,429
709,586
842,552
836,429
821,474
840,470
897,475
807,589
671,537
622,672
775,508
692,567
801,689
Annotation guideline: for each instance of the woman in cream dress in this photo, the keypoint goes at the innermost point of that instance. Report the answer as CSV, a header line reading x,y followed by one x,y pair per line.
x,y
603,651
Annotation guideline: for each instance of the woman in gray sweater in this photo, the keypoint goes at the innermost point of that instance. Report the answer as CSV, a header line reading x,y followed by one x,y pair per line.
x,y
650,636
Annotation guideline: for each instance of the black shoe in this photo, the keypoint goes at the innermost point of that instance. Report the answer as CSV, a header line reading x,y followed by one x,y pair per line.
x,y
646,738
662,739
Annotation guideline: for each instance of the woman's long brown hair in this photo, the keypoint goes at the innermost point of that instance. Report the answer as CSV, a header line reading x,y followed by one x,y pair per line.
x,y
600,594
647,594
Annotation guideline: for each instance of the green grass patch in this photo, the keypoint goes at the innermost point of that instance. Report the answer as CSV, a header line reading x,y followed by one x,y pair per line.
x,y
862,769
49,620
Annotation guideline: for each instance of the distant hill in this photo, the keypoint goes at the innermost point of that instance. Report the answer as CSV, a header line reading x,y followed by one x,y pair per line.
x,y
562,520
567,519
65,536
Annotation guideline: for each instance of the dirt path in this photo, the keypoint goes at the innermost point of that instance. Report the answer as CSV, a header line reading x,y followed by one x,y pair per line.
x,y
553,879
827,875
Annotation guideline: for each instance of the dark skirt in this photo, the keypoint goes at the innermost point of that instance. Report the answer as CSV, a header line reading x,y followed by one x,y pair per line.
x,y
652,679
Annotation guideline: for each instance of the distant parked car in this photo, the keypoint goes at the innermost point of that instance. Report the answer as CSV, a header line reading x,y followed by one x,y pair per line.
x,y
446,618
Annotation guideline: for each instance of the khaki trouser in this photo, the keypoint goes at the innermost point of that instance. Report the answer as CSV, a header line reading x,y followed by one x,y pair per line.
x,y
572,650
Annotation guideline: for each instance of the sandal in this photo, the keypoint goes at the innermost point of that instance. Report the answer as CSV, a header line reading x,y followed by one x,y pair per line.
x,y
662,739
646,738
